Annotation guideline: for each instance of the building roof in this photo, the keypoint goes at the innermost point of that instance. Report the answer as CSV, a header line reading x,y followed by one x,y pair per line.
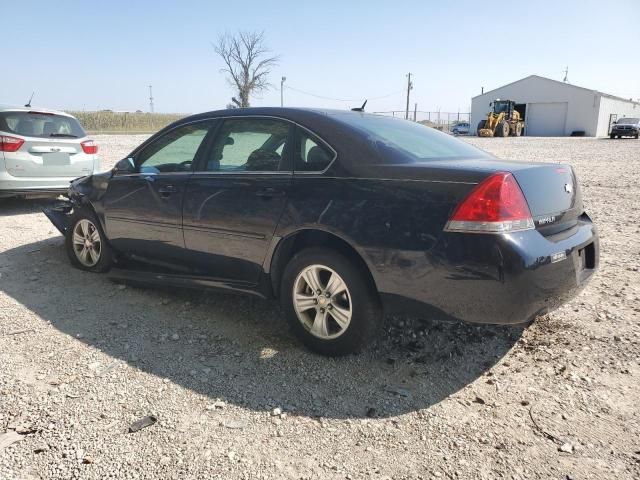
x,y
563,84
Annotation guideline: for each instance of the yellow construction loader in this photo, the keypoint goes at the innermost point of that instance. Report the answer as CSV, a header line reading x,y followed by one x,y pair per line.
x,y
503,120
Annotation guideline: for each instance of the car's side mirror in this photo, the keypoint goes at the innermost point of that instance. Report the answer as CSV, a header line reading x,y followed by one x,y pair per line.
x,y
126,165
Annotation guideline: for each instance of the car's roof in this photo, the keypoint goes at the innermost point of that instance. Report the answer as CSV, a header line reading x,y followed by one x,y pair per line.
x,y
10,108
292,113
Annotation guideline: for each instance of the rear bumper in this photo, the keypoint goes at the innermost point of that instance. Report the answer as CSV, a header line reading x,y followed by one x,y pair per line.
x,y
10,185
499,279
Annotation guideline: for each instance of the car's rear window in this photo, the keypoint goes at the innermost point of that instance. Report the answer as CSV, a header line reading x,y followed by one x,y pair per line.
x,y
40,124
419,141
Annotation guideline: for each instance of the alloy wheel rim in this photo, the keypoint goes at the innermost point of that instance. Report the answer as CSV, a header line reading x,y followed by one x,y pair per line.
x,y
322,302
86,243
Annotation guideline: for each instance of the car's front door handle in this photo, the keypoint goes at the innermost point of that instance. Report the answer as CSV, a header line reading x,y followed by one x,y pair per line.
x,y
270,192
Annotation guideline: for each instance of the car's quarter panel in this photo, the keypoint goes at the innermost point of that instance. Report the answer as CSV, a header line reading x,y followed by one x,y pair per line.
x,y
229,221
393,224
142,214
397,226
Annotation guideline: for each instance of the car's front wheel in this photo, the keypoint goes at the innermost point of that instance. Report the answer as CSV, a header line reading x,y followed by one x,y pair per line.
x,y
330,302
86,244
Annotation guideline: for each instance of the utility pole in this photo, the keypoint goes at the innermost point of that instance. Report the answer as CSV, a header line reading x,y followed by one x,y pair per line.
x,y
150,98
282,91
415,111
409,88
566,74
481,90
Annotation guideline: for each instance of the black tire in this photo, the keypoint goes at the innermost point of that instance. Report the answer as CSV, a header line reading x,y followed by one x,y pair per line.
x,y
481,124
366,312
518,129
105,257
502,130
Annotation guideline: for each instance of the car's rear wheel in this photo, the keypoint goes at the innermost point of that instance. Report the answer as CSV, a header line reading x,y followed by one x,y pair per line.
x,y
86,244
329,301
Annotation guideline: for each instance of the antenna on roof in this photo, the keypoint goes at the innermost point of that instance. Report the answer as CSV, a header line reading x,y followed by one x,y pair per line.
x,y
566,75
28,104
359,109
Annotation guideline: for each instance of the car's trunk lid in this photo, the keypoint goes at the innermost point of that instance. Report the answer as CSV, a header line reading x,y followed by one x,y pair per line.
x,y
551,189
553,195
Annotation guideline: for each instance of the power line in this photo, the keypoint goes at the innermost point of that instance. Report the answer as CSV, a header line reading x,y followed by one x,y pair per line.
x,y
342,99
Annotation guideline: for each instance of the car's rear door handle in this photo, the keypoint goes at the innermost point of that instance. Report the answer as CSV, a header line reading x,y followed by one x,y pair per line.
x,y
270,192
166,190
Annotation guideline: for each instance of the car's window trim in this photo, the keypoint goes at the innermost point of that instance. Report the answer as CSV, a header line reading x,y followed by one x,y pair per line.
x,y
318,137
214,132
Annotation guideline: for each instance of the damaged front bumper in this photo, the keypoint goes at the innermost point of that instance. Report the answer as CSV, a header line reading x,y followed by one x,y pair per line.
x,y
59,213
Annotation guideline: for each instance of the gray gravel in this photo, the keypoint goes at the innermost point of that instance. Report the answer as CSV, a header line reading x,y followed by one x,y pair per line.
x,y
235,396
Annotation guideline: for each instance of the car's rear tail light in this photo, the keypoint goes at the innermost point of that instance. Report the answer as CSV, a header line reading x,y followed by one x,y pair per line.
x,y
497,205
89,146
10,144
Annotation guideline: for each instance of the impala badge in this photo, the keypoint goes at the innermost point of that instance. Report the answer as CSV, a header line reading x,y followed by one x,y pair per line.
x,y
568,187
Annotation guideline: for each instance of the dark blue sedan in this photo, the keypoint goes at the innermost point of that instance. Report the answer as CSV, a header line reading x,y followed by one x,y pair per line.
x,y
341,215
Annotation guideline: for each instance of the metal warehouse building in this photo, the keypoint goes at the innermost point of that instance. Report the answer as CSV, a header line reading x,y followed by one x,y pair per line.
x,y
554,109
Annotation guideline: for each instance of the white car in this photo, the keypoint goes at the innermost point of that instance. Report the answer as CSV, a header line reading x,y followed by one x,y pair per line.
x,y
461,128
41,151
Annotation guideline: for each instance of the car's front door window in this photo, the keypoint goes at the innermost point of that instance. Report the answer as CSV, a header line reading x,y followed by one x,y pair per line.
x,y
175,151
249,145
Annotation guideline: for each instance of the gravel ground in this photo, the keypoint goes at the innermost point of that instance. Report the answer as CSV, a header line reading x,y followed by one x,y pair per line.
x,y
235,396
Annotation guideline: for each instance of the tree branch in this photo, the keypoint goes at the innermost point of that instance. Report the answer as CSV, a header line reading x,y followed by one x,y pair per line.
x,y
246,64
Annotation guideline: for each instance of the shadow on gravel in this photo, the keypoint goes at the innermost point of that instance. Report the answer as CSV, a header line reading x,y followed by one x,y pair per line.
x,y
238,348
22,206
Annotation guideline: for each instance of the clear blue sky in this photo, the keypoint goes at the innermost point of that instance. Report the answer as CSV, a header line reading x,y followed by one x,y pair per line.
x,y
89,54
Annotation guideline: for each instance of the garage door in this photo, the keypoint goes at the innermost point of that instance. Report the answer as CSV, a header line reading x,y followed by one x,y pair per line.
x,y
546,119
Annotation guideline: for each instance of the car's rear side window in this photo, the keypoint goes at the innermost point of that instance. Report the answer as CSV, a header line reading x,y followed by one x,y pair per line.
x,y
40,125
312,155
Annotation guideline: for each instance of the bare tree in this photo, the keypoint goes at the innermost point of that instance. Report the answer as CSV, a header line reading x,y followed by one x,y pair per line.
x,y
247,63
